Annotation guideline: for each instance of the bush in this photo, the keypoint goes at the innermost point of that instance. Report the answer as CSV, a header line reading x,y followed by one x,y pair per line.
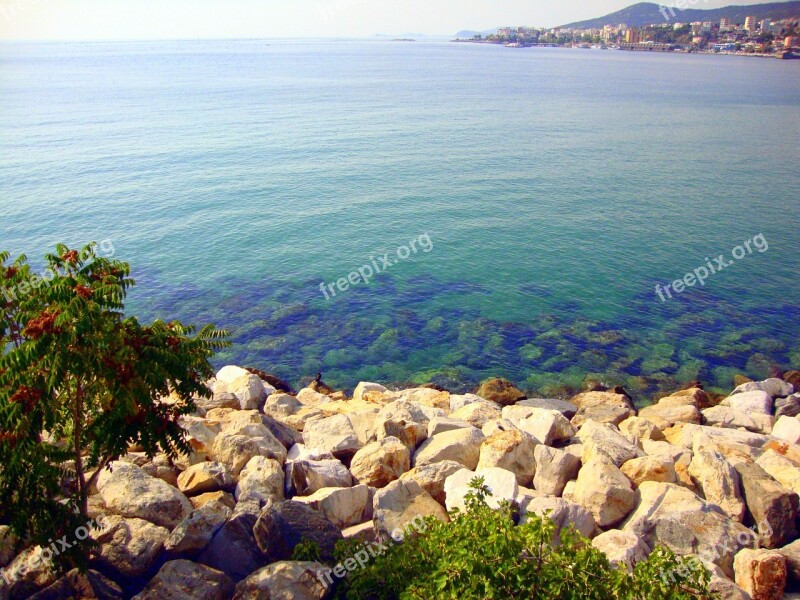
x,y
79,384
482,553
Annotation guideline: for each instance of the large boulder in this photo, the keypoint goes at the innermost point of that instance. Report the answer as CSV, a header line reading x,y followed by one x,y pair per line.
x,y
399,504
546,426
365,390
477,414
554,468
677,518
684,434
29,572
280,405
568,409
605,492
249,390
501,483
128,491
774,387
342,506
233,548
432,477
603,405
205,477
604,443
406,421
442,424
460,445
284,580
90,585
562,512
185,580
335,434
641,429
781,469
236,450
791,553
622,548
787,429
510,450
761,573
129,546
718,480
725,416
283,525
262,479
304,477
771,506
194,533
500,391
750,402
667,415
379,463
788,407
659,467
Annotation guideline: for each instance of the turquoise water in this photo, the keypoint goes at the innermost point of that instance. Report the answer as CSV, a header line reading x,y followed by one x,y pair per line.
x,y
557,188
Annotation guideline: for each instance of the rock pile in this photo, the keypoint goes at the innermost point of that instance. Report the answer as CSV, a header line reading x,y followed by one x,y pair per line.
x,y
270,470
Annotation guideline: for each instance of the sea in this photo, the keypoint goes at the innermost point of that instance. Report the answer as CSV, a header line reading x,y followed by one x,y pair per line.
x,y
517,207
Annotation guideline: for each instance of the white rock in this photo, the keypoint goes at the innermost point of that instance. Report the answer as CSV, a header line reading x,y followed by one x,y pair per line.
x,y
303,452
460,401
605,443
248,388
310,397
128,491
719,481
379,463
187,580
780,468
460,445
364,386
280,405
236,450
286,580
512,451
261,479
205,477
334,434
725,416
477,414
502,484
605,492
196,530
442,424
776,388
623,548
562,512
342,506
547,426
650,468
787,429
761,573
401,506
554,469
432,477
304,477
129,546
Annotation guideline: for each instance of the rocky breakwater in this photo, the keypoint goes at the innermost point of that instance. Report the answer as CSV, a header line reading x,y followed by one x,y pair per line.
x,y
718,481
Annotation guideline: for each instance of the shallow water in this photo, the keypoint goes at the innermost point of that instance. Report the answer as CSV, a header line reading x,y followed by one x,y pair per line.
x,y
557,188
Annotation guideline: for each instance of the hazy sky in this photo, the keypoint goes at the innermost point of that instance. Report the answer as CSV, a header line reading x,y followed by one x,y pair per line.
x,y
180,19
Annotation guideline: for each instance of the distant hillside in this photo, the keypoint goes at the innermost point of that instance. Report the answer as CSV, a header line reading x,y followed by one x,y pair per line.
x,y
468,33
646,13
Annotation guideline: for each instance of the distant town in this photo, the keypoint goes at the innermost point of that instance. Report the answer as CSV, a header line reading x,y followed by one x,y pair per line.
x,y
778,39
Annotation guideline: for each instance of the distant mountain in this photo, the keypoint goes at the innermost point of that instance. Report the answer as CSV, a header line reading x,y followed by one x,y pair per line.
x,y
646,13
468,33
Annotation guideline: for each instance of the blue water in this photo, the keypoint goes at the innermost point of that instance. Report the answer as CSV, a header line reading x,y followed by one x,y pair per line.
x,y
557,188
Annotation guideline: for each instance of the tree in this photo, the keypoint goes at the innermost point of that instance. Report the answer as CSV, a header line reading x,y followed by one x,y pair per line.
x,y
80,383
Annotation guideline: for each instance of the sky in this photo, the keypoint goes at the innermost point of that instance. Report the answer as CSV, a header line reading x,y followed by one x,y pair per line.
x,y
213,19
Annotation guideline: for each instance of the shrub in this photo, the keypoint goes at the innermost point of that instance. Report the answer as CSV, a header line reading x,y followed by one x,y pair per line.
x,y
79,384
482,553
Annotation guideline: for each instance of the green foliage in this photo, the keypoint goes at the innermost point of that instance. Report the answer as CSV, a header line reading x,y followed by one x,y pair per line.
x,y
306,550
80,383
481,553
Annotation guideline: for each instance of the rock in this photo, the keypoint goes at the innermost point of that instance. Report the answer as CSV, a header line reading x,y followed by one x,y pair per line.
x,y
365,389
460,445
162,468
650,468
622,548
721,585
677,518
334,434
129,546
233,548
29,572
128,491
605,492
284,580
666,415
8,542
498,426
684,434
400,503
203,499
460,401
554,468
690,397
724,416
568,409
262,479
604,443
500,391
341,506
185,580
603,413
280,405
718,480
194,533
432,477
589,400
379,463
302,452
235,450
90,585
750,402
442,424
311,397
221,399
304,477
781,469
771,506
790,451
787,429
286,435
502,484
563,513
248,388
205,477
512,451
789,407
547,426
761,573
477,414
791,553
283,525
426,398
642,429
775,388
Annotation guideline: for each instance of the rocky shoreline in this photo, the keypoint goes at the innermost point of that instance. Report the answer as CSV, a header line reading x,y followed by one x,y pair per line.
x,y
713,477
